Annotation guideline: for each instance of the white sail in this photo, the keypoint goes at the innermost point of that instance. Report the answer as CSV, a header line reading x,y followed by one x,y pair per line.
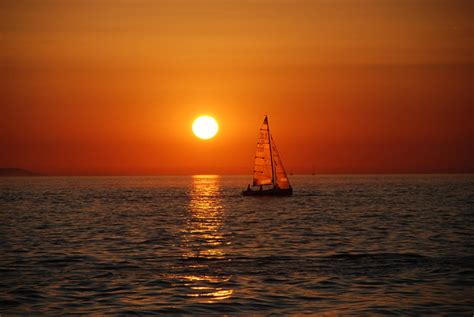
x,y
263,168
281,179
268,168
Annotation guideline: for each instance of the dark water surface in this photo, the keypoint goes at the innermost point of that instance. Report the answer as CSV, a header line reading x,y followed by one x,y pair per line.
x,y
144,245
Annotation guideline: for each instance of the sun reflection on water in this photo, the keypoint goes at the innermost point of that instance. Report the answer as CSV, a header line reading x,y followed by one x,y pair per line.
x,y
203,242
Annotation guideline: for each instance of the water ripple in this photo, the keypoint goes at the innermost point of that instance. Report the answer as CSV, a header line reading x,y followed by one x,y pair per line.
x,y
193,245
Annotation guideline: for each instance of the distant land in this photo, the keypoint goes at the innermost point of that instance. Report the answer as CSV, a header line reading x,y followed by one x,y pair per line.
x,y
16,172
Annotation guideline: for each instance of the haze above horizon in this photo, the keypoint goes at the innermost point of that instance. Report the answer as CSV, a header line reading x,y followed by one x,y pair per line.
x,y
101,87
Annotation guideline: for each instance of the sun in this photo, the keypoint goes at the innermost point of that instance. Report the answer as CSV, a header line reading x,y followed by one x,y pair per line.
x,y
205,127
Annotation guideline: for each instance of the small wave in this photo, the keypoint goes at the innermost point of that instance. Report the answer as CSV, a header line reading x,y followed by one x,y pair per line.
x,y
9,303
377,256
65,260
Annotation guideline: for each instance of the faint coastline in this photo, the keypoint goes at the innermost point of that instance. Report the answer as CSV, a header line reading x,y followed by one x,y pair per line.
x,y
14,171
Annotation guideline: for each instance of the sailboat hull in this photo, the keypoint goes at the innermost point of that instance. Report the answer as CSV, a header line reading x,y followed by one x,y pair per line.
x,y
269,192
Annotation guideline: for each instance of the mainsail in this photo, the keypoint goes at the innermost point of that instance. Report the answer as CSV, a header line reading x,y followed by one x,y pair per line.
x,y
268,168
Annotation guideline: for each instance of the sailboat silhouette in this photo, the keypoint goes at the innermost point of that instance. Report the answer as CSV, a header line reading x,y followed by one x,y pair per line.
x,y
269,175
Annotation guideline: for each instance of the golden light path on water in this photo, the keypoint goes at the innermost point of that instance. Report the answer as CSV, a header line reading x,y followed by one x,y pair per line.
x,y
203,240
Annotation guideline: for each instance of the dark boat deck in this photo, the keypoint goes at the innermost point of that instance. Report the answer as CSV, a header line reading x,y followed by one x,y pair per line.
x,y
269,192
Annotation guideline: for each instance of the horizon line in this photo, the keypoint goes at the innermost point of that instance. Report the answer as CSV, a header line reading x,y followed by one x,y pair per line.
x,y
233,174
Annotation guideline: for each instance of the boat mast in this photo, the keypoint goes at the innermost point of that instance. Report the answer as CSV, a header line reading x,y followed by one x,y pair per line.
x,y
271,154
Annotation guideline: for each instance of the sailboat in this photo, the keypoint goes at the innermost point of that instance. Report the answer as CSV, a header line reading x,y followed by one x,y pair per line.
x,y
269,176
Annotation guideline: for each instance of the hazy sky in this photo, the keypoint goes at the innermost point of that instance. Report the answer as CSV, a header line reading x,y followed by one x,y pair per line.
x,y
112,87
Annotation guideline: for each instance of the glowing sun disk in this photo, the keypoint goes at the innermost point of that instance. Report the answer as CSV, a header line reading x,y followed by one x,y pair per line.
x,y
205,127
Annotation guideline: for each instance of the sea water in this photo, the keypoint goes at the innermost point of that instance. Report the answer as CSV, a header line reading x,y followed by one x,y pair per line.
x,y
399,244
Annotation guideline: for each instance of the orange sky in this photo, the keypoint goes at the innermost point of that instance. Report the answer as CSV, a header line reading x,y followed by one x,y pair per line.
x,y
112,87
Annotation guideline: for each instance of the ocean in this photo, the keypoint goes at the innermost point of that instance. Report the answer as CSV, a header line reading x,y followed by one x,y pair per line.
x,y
342,244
